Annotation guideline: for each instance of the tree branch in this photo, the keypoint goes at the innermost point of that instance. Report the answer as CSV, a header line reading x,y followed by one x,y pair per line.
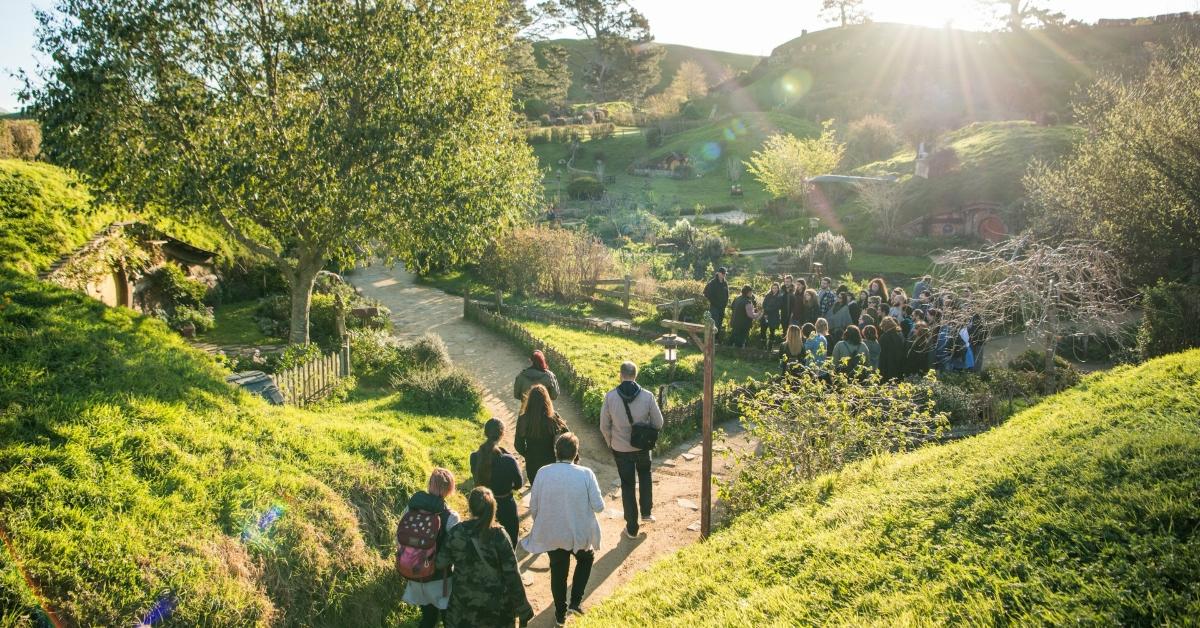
x,y
248,242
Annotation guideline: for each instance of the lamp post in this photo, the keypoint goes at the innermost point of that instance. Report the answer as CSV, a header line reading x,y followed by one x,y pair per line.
x,y
670,344
708,329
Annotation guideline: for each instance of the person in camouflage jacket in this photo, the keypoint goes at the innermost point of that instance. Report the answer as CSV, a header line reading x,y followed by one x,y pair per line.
x,y
487,591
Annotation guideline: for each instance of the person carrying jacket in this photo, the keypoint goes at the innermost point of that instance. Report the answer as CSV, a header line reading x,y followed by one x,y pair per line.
x,y
433,595
717,293
488,591
623,406
536,373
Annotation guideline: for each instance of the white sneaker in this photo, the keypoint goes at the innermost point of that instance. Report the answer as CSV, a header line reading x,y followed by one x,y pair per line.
x,y
648,519
633,537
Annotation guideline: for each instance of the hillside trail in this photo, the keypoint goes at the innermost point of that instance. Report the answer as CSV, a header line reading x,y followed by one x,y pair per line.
x,y
494,362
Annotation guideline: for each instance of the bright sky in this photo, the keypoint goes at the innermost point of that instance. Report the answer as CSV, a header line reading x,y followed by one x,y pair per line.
x,y
746,26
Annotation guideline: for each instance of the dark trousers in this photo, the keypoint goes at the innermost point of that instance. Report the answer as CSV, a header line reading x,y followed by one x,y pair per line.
x,y
506,516
430,616
718,316
767,332
740,335
631,466
560,563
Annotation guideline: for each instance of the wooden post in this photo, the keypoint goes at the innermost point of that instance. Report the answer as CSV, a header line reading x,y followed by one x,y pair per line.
x,y
707,430
499,300
626,297
466,299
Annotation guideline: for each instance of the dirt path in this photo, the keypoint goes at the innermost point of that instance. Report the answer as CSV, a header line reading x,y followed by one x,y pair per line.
x,y
494,361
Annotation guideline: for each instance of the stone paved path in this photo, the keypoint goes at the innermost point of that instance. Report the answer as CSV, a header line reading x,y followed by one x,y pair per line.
x,y
494,362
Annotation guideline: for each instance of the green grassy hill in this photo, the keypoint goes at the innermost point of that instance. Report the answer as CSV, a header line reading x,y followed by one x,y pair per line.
x,y
1081,510
709,148
900,70
131,473
711,60
47,211
993,157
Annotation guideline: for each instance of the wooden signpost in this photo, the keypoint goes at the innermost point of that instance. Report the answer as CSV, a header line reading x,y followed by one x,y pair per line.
x,y
703,335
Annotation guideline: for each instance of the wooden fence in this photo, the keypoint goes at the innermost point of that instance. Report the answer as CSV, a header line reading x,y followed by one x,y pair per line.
x,y
624,292
312,382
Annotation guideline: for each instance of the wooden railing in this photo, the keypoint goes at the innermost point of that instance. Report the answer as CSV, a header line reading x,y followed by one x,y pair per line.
x,y
314,381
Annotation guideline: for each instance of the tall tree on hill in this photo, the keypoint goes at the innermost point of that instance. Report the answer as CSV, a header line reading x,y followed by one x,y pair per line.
x,y
314,132
1020,13
624,61
539,77
845,11
691,81
1134,185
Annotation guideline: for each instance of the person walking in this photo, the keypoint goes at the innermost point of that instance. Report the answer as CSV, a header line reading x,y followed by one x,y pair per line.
x,y
892,350
717,293
432,595
772,310
563,504
536,373
743,317
538,426
494,467
488,591
624,406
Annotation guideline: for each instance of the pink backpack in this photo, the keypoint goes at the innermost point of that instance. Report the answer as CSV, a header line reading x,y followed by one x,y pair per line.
x,y
416,544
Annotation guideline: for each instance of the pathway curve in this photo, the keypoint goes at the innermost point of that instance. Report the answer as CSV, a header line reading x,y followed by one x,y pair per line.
x,y
494,362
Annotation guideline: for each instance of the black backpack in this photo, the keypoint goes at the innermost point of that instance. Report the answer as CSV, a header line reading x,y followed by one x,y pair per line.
x,y
644,436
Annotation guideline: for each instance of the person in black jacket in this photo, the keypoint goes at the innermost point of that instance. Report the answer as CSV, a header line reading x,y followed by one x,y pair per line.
x,y
920,351
495,468
717,293
892,350
537,428
772,307
744,315
785,311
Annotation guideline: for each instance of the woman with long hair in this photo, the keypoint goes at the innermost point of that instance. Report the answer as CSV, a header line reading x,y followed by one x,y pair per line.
x,y
791,352
920,351
878,288
488,591
850,354
433,595
538,372
537,427
497,469
871,339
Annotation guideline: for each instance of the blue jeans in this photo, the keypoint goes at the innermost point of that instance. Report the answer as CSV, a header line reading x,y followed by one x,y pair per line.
x,y
631,466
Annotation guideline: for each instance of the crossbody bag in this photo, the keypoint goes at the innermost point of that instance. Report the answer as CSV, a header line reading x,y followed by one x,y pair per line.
x,y
644,436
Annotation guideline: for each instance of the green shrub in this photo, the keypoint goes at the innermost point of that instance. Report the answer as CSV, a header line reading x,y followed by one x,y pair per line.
x,y
20,139
374,355
294,356
441,390
428,352
1034,361
830,249
965,398
869,139
654,137
585,189
201,318
681,289
1171,319
171,288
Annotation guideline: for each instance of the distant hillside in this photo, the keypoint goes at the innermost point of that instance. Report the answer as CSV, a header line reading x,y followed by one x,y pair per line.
x,y
959,76
711,60
992,159
1081,510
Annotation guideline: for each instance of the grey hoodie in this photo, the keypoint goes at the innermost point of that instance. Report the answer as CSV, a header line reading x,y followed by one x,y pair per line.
x,y
614,424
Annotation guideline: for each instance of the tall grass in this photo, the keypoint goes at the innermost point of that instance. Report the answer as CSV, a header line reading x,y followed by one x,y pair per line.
x,y
131,473
1080,510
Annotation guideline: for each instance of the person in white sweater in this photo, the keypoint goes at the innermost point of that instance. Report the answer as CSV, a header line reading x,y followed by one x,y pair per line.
x,y
563,503
623,406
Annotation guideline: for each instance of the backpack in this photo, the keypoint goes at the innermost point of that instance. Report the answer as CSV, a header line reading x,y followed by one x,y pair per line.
x,y
855,361
416,544
643,436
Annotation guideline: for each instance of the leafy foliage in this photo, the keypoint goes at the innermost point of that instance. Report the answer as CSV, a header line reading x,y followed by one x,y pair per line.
x,y
439,390
1170,319
546,261
830,249
805,431
785,162
869,139
1134,185
20,139
312,131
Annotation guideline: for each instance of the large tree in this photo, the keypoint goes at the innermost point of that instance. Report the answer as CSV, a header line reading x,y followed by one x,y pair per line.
x,y
624,62
1021,13
846,12
785,163
536,74
313,131
1134,185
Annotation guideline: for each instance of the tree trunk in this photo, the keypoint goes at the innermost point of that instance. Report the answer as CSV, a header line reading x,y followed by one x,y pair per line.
x,y
1050,347
301,279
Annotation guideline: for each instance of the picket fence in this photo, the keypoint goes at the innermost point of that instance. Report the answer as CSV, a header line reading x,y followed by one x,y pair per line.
x,y
314,381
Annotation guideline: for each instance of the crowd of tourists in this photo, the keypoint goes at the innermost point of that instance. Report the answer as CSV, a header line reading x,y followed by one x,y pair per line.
x,y
465,573
823,328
